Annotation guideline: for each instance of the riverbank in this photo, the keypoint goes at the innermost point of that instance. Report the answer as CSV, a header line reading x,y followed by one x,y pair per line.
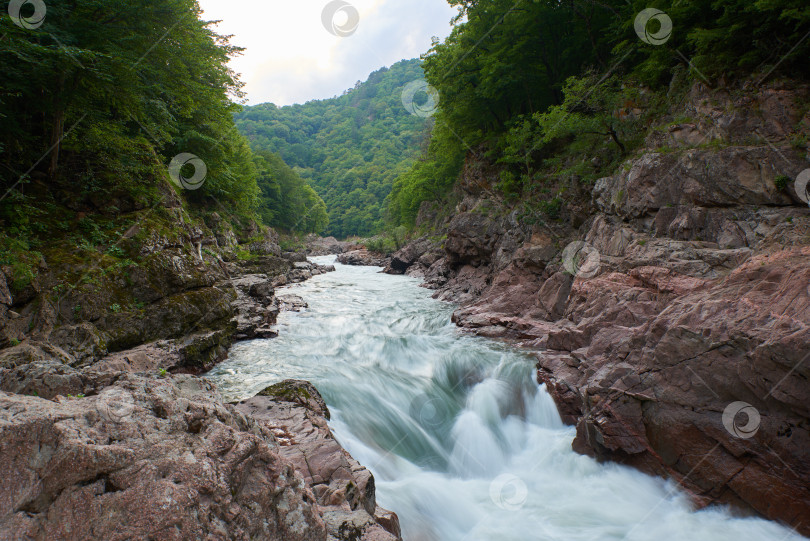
x,y
106,430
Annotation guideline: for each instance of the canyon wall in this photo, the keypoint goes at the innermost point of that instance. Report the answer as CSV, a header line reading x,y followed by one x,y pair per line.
x,y
669,307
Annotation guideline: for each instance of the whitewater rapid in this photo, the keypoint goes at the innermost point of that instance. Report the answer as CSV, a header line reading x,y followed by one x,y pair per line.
x,y
461,441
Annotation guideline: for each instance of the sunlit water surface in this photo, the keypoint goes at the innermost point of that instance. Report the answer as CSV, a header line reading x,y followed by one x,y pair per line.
x,y
462,443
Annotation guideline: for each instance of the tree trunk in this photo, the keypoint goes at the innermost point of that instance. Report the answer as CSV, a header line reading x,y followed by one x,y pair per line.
x,y
56,138
58,127
616,140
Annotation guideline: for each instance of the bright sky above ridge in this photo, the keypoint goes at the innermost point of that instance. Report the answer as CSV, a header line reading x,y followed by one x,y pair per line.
x,y
292,58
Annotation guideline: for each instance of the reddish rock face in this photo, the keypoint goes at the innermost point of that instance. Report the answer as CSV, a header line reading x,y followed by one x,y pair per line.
x,y
159,457
342,487
165,458
684,346
654,394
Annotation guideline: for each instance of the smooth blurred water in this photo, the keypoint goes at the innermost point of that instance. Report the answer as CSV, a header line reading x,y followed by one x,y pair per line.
x,y
462,442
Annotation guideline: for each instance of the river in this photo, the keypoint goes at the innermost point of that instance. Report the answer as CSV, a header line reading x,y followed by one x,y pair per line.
x,y
462,443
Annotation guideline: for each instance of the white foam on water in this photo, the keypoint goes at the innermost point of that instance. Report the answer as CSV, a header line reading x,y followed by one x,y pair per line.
x,y
462,443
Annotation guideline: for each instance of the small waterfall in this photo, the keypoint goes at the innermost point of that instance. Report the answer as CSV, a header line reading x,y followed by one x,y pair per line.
x,y
463,444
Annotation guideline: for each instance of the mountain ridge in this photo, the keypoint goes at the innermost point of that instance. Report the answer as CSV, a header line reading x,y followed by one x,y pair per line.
x,y
350,148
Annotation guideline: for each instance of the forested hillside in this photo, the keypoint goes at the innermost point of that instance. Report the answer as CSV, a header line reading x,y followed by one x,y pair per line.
x,y
556,91
350,148
98,98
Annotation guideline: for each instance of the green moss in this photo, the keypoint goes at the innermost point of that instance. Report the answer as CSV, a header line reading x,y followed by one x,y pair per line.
x,y
245,255
292,243
277,391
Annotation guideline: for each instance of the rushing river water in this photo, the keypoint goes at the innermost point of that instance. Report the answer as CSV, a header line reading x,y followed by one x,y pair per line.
x,y
462,443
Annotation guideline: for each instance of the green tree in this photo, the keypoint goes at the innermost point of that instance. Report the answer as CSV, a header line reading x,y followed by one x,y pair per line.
x,y
287,201
349,148
110,92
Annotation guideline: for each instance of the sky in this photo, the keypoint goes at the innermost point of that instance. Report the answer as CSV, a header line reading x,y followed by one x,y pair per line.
x,y
293,56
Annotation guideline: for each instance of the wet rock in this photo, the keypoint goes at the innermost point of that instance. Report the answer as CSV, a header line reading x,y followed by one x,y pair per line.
x,y
295,257
712,346
362,257
256,308
292,303
298,392
296,414
421,252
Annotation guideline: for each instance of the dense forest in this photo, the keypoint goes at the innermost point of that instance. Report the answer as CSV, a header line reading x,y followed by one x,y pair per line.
x,y
98,98
124,89
351,147
552,85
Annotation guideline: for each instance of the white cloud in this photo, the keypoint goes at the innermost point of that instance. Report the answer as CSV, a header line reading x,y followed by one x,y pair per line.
x,y
292,58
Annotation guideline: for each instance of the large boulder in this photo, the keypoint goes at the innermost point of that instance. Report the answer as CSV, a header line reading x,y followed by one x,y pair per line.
x,y
422,252
362,258
163,457
296,414
317,246
147,458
